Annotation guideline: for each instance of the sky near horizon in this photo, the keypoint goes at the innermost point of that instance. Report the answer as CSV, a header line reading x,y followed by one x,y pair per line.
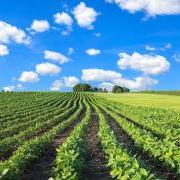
x,y
55,44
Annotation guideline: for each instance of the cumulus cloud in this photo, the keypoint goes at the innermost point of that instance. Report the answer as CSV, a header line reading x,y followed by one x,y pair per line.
x,y
110,78
57,85
107,85
47,69
150,7
85,16
63,18
55,56
148,64
138,83
99,75
40,26
70,81
93,52
13,88
3,50
29,76
9,88
10,33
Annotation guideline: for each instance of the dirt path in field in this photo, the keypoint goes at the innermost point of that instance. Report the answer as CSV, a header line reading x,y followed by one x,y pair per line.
x,y
41,169
127,143
95,164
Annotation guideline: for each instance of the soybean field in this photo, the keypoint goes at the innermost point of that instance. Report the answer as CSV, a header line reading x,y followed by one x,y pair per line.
x,y
71,136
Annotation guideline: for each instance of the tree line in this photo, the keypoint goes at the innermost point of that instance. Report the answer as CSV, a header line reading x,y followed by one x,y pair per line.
x,y
89,88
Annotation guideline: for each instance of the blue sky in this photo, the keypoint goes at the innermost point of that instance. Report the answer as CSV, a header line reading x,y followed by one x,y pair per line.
x,y
54,44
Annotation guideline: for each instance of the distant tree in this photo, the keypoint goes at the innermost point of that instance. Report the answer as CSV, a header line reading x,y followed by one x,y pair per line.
x,y
105,90
82,88
126,89
119,89
100,90
95,89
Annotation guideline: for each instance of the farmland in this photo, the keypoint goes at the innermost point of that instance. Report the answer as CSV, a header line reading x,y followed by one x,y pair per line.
x,y
161,100
89,136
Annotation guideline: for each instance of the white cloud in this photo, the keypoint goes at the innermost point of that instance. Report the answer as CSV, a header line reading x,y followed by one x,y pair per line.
x,y
150,7
150,48
93,52
63,18
29,76
164,48
55,56
47,69
99,75
70,51
40,26
148,64
10,33
3,50
111,78
70,81
57,85
85,16
138,83
109,86
9,88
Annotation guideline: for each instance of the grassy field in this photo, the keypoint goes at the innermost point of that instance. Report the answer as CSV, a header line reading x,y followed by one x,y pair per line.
x,y
145,99
176,93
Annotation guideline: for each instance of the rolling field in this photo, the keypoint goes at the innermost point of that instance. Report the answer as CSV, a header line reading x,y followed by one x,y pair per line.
x,y
164,101
89,136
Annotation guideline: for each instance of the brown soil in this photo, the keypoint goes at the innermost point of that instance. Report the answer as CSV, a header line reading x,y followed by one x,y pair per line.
x,y
41,169
95,162
145,160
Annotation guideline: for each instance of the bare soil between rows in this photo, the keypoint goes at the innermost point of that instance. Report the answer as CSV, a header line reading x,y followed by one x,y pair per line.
x,y
145,160
95,162
41,169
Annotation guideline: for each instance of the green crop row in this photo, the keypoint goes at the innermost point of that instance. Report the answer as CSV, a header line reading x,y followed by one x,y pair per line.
x,y
32,149
26,103
70,157
20,116
9,143
122,165
161,122
41,117
163,150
